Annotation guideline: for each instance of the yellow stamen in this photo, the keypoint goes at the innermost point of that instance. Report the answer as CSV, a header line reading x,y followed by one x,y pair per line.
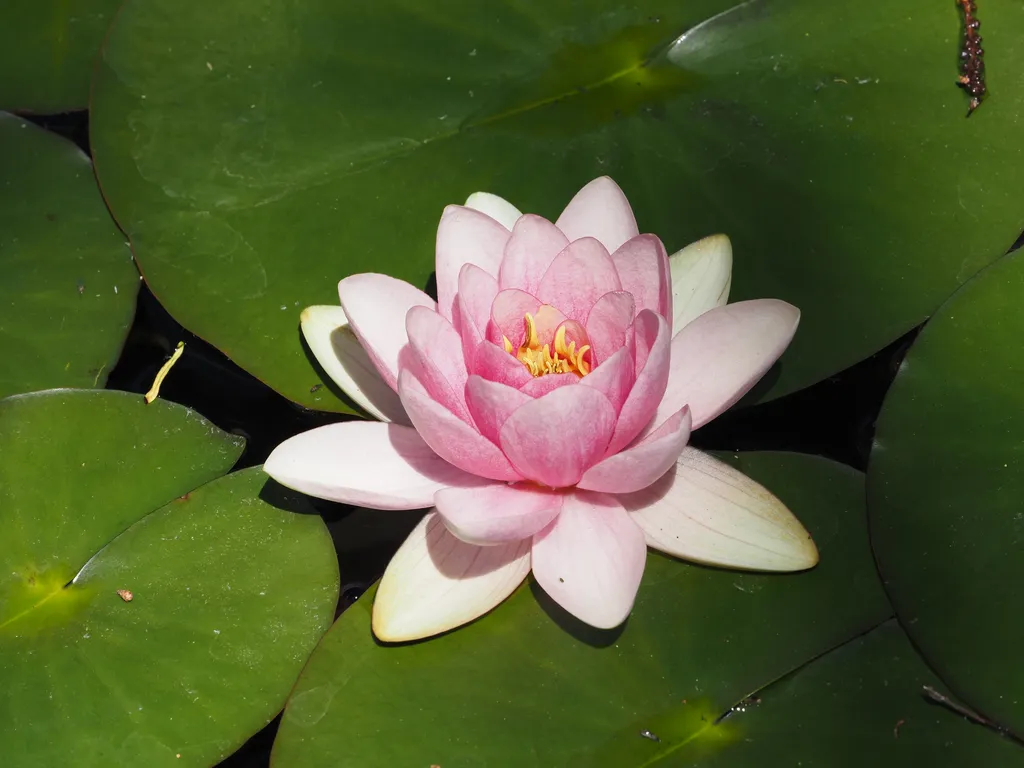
x,y
531,332
560,348
582,365
540,360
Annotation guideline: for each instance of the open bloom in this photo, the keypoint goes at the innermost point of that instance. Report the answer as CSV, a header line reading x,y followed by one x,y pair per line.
x,y
542,405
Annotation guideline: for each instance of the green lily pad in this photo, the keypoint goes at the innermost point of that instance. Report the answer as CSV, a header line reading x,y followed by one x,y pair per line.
x,y
946,484
861,704
522,687
255,158
47,52
68,291
230,588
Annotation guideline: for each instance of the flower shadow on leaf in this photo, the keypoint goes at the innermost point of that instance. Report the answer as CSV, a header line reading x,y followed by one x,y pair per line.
x,y
580,630
280,497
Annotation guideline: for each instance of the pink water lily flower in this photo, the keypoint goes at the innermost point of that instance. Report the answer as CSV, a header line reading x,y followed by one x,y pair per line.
x,y
542,406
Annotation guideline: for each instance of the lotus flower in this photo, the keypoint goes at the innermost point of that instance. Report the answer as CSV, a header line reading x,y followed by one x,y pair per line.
x,y
542,406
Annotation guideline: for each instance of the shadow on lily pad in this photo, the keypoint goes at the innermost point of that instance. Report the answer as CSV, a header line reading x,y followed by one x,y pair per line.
x,y
279,497
580,630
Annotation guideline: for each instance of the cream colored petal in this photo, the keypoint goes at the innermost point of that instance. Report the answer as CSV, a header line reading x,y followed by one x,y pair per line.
x,y
706,511
701,278
336,348
498,208
436,582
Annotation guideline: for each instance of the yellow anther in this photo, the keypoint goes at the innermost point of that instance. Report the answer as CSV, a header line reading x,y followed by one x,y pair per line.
x,y
531,332
581,365
539,359
560,347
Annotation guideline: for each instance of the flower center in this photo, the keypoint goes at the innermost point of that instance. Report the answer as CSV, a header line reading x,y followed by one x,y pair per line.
x,y
539,359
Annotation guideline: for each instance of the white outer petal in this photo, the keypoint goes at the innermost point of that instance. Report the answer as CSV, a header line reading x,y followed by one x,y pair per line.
x,y
708,512
701,278
335,346
435,582
364,463
498,208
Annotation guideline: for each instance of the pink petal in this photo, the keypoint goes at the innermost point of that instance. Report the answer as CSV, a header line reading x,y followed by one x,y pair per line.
x,y
376,306
495,364
534,244
437,349
369,464
643,268
579,276
541,385
637,467
641,343
435,582
469,332
718,357
498,208
591,559
477,291
491,404
472,311
608,322
465,236
508,316
599,210
613,378
706,511
653,344
499,513
554,439
452,439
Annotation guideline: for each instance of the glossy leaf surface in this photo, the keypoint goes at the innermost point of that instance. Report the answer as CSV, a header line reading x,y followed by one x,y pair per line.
x,y
862,704
946,483
47,52
68,285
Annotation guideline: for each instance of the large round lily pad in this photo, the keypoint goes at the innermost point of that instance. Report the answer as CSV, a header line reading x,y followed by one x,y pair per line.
x,y
47,52
525,688
946,490
256,155
68,285
230,585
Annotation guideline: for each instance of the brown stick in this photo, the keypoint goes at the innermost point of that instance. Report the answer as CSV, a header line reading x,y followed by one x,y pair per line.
x,y
972,56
